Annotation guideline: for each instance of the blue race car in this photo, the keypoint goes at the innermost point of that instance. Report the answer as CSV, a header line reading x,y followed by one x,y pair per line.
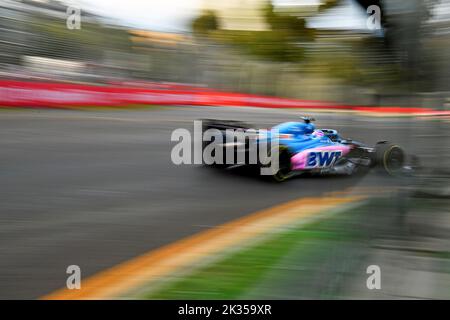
x,y
300,148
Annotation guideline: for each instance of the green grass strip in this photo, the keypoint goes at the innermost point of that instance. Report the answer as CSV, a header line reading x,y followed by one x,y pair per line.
x,y
241,271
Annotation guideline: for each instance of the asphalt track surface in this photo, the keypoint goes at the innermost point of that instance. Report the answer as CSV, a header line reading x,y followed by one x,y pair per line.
x,y
95,188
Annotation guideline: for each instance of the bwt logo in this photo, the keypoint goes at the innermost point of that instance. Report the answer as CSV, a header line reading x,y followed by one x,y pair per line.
x,y
322,159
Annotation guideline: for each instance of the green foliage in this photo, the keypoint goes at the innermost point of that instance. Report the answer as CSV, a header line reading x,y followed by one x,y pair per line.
x,y
205,23
280,43
56,41
292,25
239,273
268,45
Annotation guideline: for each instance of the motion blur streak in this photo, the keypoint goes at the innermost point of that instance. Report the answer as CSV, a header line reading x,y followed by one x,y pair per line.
x,y
186,252
86,116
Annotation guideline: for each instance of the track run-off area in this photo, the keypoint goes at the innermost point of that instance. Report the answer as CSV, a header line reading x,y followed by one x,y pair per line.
x,y
98,189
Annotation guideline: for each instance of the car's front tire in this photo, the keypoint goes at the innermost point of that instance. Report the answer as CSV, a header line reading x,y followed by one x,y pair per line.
x,y
390,157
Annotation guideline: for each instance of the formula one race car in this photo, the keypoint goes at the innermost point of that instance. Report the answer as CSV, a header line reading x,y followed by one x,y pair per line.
x,y
300,148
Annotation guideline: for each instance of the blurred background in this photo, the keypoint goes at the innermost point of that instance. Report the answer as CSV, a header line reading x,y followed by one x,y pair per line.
x,y
96,187
301,49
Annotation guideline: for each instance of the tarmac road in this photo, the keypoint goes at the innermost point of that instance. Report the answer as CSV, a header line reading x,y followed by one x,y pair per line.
x,y
95,188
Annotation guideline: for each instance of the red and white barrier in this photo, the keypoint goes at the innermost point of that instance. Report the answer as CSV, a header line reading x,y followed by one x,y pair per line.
x,y
39,94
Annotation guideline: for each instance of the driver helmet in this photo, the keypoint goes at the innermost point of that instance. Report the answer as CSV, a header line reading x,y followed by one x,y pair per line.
x,y
318,133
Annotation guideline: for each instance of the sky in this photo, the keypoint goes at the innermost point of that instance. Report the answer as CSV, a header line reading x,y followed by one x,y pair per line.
x,y
160,15
175,15
346,15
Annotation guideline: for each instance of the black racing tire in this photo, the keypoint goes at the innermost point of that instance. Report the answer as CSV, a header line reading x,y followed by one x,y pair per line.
x,y
390,157
285,167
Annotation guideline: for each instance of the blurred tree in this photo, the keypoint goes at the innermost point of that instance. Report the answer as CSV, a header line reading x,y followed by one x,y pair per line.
x,y
205,23
291,24
281,43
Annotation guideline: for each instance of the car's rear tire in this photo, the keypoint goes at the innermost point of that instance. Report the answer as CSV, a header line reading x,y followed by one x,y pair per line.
x,y
390,157
284,171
